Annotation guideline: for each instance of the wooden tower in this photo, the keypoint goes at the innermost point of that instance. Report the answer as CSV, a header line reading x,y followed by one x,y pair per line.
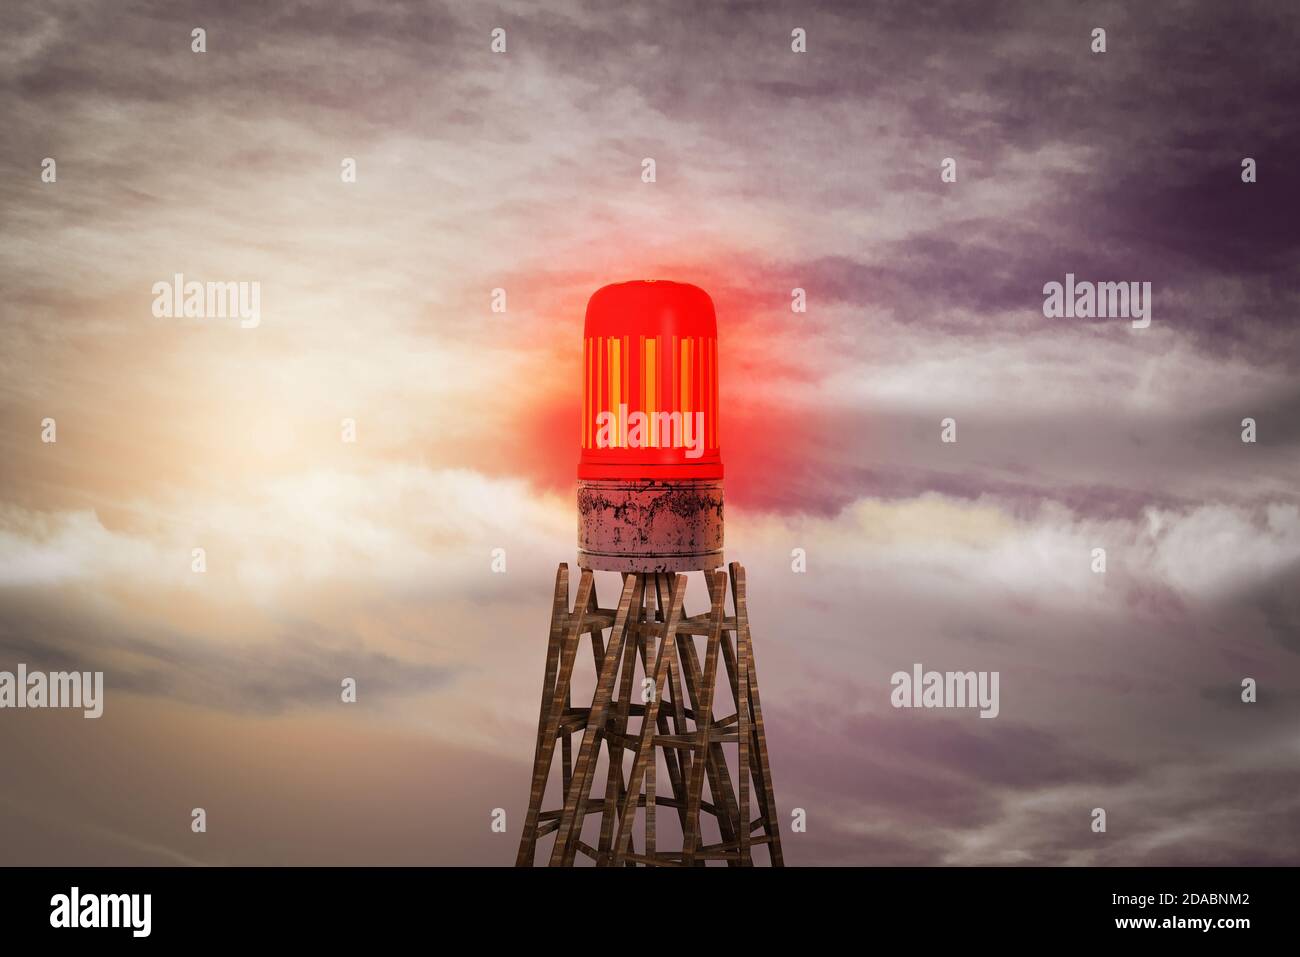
x,y
653,706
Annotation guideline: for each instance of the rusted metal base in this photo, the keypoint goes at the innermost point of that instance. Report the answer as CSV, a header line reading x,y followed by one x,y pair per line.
x,y
641,526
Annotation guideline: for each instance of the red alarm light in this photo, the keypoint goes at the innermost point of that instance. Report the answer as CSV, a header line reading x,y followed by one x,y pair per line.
x,y
650,472
650,383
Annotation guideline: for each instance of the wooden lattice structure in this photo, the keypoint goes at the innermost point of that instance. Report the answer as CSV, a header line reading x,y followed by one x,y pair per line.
x,y
663,719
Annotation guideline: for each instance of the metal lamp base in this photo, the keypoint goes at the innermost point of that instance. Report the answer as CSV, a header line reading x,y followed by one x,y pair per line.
x,y
650,526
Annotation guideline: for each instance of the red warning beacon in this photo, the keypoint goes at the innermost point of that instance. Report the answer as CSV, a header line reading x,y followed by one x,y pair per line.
x,y
650,475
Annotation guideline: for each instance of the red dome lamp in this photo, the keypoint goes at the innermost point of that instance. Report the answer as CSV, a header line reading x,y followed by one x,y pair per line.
x,y
650,473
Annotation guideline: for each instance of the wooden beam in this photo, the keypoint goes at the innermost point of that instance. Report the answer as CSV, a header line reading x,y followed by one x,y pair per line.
x,y
557,690
645,750
704,705
764,776
580,787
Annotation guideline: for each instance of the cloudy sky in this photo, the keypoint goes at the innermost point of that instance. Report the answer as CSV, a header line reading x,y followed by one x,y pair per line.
x,y
775,170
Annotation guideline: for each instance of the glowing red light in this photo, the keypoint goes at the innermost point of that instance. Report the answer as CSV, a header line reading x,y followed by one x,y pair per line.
x,y
650,383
